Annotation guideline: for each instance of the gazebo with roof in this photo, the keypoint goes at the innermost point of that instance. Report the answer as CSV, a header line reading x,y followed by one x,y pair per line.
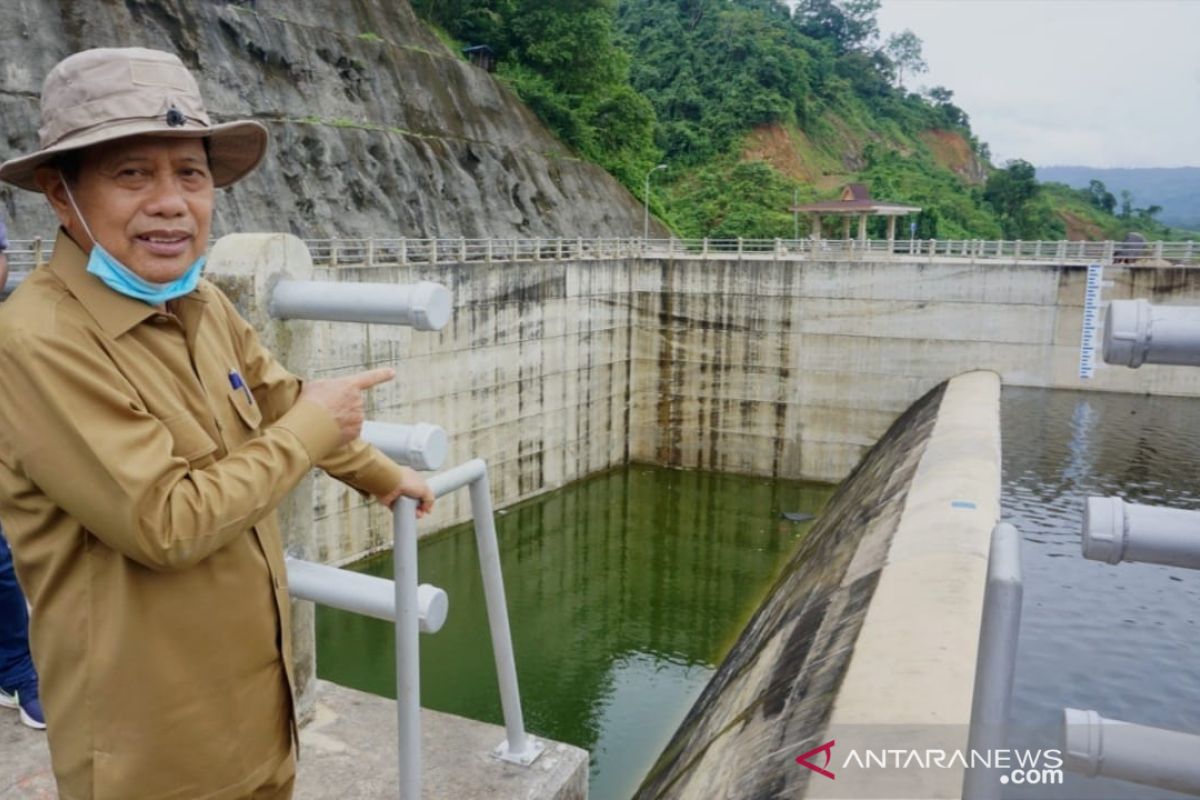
x,y
856,201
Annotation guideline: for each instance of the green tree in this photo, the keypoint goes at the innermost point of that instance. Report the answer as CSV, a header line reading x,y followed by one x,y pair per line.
x,y
847,24
904,49
1011,192
1099,196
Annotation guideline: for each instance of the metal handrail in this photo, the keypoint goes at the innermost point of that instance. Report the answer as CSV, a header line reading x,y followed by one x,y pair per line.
x,y
417,609
996,661
387,252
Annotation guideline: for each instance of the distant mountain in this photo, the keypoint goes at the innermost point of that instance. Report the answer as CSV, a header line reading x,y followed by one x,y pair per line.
x,y
1176,189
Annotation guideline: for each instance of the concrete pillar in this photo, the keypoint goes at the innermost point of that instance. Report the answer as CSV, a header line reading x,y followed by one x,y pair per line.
x,y
816,225
245,266
845,226
891,236
862,227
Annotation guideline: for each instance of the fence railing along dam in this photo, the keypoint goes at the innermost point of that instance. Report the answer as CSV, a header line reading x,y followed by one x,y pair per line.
x,y
26,253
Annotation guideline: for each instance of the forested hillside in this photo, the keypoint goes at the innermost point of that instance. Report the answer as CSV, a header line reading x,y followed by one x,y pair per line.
x,y
755,104
1175,190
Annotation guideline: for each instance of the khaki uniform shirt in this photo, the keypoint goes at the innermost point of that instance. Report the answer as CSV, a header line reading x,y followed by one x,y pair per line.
x,y
138,489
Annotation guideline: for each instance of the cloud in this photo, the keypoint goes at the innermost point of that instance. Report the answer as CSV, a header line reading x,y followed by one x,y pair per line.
x,y
1112,83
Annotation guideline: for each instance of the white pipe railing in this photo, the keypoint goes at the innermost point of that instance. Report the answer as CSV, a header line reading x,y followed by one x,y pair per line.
x,y
25,254
1137,332
421,446
996,660
415,609
1099,747
518,747
425,306
1116,531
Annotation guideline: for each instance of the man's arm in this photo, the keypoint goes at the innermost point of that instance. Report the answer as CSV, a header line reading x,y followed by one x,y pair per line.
x,y
73,424
357,463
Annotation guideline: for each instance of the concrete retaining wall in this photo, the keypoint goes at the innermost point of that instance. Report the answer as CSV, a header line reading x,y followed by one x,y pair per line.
x,y
796,368
552,371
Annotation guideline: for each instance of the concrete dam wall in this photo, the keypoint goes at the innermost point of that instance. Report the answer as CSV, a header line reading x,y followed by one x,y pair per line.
x,y
842,649
552,371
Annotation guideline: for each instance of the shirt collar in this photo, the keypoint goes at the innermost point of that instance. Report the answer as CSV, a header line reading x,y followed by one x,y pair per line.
x,y
114,312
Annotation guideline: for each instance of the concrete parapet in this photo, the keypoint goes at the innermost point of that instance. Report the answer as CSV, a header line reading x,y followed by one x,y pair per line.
x,y
911,679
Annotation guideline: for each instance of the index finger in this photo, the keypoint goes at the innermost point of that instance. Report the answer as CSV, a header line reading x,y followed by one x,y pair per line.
x,y
372,377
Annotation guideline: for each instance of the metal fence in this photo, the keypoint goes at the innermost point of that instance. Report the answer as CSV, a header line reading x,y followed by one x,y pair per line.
x,y
25,254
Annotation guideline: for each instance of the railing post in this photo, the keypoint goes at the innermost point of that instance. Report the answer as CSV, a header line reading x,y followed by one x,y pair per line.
x,y
518,746
1108,251
704,248
37,251
370,252
408,660
995,663
513,244
559,250
489,251
462,249
1037,249
739,250
433,251
1158,250
333,254
402,255
579,248
1187,252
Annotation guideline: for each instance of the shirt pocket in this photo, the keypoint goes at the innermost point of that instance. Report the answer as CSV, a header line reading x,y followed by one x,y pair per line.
x,y
247,410
191,442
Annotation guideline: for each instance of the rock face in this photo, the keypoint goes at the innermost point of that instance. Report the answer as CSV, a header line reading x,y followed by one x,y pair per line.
x,y
377,128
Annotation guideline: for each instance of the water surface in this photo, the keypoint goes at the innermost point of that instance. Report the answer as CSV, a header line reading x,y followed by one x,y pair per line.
x,y
1123,640
625,591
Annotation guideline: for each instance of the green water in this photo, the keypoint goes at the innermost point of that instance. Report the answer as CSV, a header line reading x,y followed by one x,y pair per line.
x,y
624,593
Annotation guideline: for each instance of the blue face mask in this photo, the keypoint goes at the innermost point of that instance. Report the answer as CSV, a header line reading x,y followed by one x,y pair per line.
x,y
123,280
120,278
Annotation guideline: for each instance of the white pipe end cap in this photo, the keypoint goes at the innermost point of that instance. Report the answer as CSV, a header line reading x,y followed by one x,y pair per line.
x,y
1104,529
431,305
1127,333
1082,741
434,606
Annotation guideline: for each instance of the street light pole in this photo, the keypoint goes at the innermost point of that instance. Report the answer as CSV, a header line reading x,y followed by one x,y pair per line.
x,y
796,214
646,205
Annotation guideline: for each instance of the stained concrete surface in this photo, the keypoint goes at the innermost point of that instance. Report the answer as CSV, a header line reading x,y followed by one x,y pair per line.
x,y
348,752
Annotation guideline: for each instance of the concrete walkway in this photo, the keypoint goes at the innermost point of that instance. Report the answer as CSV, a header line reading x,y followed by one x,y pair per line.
x,y
349,751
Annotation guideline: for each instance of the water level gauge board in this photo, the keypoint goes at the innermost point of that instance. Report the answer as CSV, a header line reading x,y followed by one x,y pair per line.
x,y
1091,319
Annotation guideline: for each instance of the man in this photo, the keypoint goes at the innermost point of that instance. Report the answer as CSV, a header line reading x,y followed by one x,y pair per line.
x,y
146,438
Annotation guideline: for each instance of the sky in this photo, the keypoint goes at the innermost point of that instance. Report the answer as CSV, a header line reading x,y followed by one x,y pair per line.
x,y
1099,83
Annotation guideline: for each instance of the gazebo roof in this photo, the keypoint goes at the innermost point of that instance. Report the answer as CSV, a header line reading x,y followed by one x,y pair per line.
x,y
856,199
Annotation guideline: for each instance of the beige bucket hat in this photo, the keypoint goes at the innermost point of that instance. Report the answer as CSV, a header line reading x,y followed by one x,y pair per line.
x,y
104,94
